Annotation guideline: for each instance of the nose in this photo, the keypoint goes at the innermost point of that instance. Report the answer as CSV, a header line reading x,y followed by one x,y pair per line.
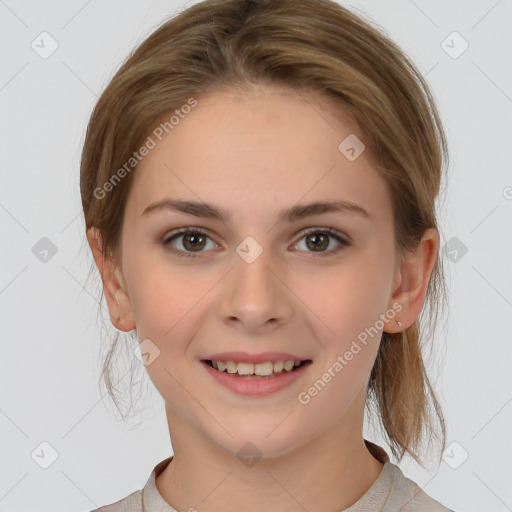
x,y
255,297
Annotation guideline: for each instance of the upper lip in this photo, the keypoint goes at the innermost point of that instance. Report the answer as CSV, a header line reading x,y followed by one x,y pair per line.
x,y
263,357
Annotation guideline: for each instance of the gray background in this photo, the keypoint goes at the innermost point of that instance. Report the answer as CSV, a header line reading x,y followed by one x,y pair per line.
x,y
50,328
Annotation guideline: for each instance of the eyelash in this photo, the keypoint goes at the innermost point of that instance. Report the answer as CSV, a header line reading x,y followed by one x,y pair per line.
x,y
326,231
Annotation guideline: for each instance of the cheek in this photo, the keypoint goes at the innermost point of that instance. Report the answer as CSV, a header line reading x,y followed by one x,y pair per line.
x,y
347,299
167,302
169,305
349,303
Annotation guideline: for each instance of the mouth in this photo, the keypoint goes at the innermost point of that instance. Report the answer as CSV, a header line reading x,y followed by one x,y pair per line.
x,y
260,371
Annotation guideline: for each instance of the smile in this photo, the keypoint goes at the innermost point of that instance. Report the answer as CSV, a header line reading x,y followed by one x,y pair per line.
x,y
268,369
246,379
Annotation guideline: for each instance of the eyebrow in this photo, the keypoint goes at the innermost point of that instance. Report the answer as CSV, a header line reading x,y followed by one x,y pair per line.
x,y
294,213
297,212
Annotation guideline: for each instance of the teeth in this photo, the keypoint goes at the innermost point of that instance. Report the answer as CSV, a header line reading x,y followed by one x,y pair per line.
x,y
231,367
264,368
278,366
261,369
288,365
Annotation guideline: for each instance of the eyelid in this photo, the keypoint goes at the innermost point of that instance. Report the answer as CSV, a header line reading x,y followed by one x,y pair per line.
x,y
175,234
330,231
183,231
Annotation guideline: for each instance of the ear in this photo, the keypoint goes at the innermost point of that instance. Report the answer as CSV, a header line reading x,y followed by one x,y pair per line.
x,y
412,279
118,300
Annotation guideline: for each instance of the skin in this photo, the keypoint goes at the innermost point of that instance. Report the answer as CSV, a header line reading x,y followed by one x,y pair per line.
x,y
254,154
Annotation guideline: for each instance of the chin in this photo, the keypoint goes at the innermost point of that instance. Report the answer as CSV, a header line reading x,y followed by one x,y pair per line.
x,y
259,441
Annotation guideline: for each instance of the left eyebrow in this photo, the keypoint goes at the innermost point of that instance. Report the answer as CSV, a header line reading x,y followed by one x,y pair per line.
x,y
292,214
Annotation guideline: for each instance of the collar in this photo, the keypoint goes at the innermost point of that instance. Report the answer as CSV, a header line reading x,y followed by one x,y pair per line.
x,y
154,502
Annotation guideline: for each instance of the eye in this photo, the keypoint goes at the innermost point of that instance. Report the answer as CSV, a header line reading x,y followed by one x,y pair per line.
x,y
191,240
194,240
318,241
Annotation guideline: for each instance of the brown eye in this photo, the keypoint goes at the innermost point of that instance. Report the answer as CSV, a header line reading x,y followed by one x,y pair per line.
x,y
318,241
194,241
189,241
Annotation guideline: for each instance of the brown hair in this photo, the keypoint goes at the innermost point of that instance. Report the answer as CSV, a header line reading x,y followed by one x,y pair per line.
x,y
307,45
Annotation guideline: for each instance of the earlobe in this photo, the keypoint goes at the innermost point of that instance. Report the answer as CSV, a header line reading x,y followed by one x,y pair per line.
x,y
413,279
121,315
114,288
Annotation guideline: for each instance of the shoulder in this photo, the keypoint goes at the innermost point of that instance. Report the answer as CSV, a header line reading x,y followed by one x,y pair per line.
x,y
409,495
133,502
129,504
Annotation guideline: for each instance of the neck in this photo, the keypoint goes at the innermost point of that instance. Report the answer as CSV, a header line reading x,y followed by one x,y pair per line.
x,y
332,469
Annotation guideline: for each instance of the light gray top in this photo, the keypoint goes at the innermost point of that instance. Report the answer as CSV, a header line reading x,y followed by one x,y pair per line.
x,y
392,491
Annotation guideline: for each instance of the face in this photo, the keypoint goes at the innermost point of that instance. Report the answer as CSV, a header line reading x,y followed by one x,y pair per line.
x,y
263,285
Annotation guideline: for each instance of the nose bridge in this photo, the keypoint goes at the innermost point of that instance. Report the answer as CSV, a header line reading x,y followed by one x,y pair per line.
x,y
254,295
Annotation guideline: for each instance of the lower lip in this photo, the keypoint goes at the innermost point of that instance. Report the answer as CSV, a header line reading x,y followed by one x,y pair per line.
x,y
255,387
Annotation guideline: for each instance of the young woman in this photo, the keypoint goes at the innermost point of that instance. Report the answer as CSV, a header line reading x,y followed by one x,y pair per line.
x,y
258,182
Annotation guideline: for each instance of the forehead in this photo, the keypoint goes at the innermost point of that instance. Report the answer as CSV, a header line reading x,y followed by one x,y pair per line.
x,y
258,151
